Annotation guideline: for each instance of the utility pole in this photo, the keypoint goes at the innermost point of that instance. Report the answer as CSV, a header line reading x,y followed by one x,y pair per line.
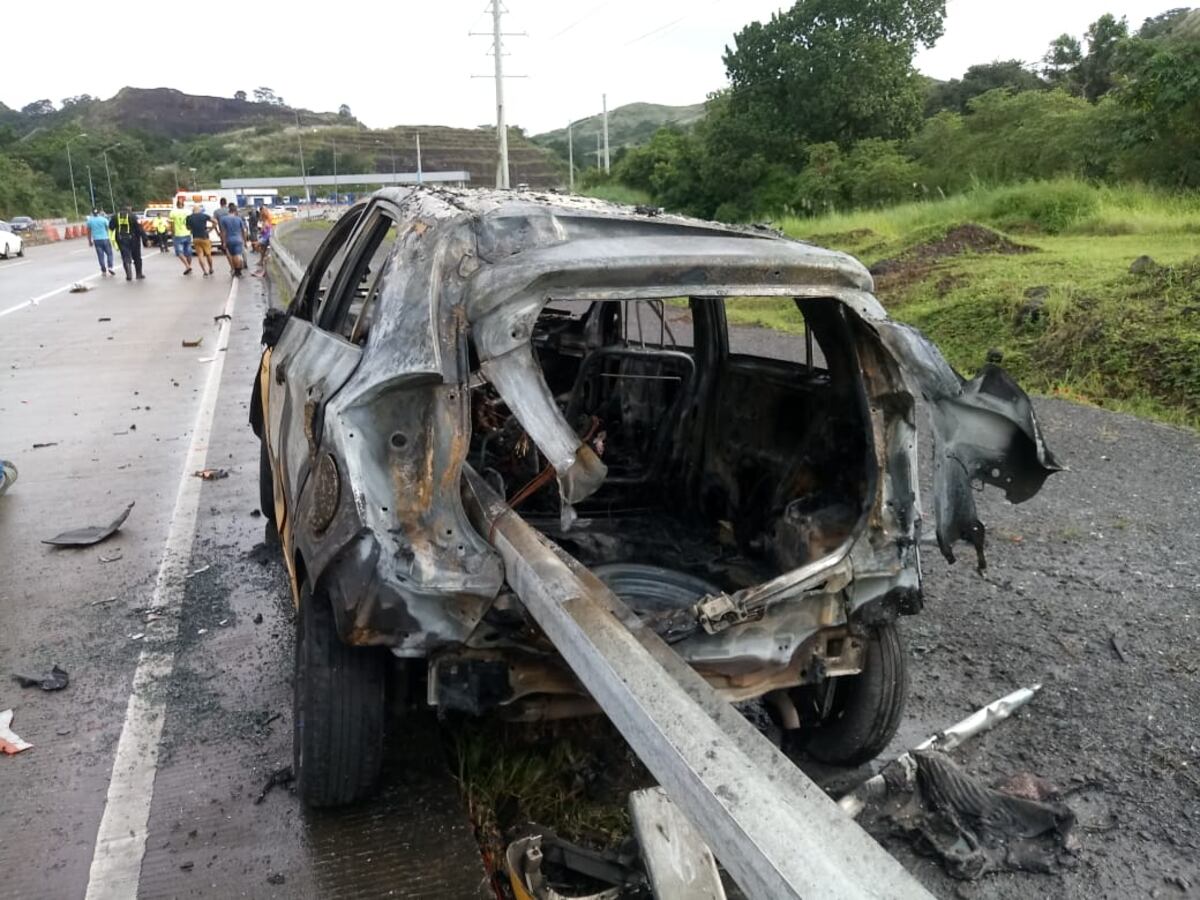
x,y
303,173
420,177
599,152
71,171
570,160
91,187
498,36
108,173
604,107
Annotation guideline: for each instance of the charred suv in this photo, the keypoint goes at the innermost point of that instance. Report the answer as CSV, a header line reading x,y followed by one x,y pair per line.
x,y
752,498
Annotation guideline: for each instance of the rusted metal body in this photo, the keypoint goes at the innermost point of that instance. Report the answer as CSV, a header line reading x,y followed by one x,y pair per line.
x,y
787,491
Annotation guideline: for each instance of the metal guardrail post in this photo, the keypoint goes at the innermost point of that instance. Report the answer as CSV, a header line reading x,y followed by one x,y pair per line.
x,y
772,828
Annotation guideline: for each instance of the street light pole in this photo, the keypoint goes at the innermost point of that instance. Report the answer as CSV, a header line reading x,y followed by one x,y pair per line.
x,y
71,172
108,174
303,173
570,160
91,187
420,177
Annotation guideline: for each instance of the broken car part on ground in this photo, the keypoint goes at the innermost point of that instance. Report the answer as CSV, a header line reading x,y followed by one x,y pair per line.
x,y
760,515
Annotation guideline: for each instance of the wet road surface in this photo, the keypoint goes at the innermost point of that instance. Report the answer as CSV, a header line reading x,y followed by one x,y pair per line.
x,y
102,377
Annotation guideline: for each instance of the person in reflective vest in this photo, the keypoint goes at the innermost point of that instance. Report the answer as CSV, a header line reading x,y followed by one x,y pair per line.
x,y
129,239
162,232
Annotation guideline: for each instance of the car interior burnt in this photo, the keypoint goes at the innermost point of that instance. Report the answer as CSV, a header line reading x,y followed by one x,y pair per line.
x,y
726,467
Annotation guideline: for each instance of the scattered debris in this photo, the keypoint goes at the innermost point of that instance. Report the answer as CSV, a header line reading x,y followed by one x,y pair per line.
x,y
110,559
104,319
80,288
54,680
255,513
187,866
10,742
94,534
199,571
540,860
1118,647
974,829
1143,265
103,602
138,636
1034,306
194,342
281,777
276,878
258,618
226,316
200,631
211,474
47,444
223,623
206,359
903,768
8,474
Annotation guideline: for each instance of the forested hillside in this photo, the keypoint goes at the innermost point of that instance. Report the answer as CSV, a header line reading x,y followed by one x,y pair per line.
x,y
825,111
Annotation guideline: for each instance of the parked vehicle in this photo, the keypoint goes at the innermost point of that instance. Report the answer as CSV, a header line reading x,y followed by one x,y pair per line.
x,y
11,243
761,514
22,223
148,220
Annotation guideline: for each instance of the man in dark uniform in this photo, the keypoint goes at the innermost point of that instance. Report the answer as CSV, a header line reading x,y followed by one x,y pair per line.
x,y
129,240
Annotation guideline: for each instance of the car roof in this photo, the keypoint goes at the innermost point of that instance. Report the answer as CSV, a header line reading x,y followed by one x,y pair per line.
x,y
512,228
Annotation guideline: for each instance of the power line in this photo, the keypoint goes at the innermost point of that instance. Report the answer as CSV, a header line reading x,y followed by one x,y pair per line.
x,y
587,15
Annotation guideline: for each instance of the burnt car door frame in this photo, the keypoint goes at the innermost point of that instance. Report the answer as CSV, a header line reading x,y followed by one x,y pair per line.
x,y
312,359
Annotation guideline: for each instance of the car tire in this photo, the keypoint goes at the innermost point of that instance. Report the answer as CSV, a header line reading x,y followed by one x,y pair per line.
x,y
866,708
339,704
266,494
21,251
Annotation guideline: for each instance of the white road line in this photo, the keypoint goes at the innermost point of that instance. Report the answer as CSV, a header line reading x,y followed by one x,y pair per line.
x,y
121,839
34,301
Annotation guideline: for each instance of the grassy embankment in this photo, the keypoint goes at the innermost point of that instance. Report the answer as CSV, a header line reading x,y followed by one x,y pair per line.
x,y
1069,316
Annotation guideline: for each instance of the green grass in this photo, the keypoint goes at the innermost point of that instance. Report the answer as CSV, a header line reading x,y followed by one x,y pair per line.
x,y
618,193
1103,335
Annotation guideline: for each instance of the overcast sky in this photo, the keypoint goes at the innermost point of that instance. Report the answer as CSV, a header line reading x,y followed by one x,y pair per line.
x,y
405,63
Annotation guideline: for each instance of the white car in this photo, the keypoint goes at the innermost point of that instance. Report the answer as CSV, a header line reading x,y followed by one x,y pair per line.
x,y
10,243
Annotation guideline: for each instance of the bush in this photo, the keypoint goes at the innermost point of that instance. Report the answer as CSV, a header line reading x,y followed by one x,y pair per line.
x,y
1051,207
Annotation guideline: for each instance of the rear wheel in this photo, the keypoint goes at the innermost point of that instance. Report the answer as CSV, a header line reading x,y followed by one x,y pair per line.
x,y
850,719
338,709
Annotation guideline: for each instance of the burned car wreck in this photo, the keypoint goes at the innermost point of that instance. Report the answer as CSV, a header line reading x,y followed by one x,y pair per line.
x,y
571,359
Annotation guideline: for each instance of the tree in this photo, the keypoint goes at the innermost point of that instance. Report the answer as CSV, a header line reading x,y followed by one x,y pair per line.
x,y
266,95
1163,24
239,95
1161,94
344,111
1098,69
954,95
38,108
77,100
1061,63
830,70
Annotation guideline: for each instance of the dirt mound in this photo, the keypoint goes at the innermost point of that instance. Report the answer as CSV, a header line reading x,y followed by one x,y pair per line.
x,y
916,261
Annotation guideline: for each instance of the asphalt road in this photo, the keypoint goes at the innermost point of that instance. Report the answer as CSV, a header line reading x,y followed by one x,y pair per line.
x,y
176,632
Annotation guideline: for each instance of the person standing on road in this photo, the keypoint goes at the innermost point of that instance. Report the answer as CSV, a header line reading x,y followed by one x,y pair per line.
x,y
162,230
233,230
197,224
252,221
97,225
182,237
266,231
129,239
